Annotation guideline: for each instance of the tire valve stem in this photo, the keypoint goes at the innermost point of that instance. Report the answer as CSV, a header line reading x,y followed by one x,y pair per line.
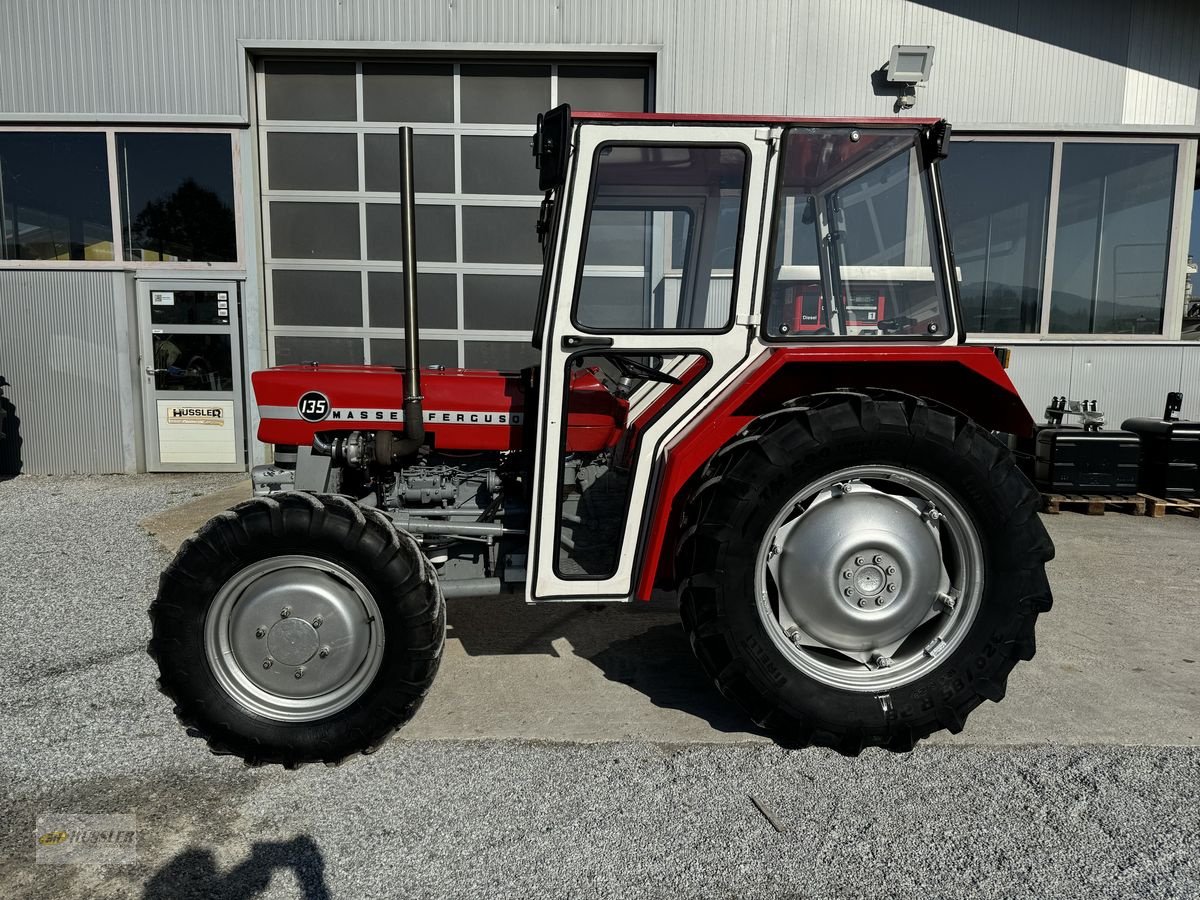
x,y
793,634
771,554
948,600
882,662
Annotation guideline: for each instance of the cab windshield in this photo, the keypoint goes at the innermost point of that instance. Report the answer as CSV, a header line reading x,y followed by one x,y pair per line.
x,y
853,240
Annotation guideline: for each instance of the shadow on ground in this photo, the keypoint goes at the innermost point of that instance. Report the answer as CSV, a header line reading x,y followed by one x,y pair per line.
x,y
641,645
193,872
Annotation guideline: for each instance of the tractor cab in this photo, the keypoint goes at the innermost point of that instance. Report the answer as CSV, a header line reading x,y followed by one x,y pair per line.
x,y
679,249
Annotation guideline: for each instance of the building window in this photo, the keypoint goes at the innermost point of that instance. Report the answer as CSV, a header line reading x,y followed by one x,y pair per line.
x,y
54,191
1113,239
329,162
177,201
1090,258
998,201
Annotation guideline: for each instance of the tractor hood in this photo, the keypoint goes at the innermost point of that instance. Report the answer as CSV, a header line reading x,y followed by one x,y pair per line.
x,y
464,409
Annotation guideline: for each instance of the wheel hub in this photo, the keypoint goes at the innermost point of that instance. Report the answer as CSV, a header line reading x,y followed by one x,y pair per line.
x,y
871,580
841,569
868,575
292,642
294,638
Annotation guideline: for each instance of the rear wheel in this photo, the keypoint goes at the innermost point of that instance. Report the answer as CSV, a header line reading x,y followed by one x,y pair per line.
x,y
863,569
297,628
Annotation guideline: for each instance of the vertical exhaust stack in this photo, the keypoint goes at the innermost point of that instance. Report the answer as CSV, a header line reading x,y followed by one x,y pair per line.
x,y
414,416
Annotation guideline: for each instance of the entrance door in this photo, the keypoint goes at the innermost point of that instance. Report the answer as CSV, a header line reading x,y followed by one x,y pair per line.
x,y
189,343
648,322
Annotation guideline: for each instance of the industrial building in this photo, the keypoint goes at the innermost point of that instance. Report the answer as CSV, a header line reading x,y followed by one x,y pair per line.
x,y
192,191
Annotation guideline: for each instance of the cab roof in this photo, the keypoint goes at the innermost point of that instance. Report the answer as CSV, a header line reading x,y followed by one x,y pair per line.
x,y
731,119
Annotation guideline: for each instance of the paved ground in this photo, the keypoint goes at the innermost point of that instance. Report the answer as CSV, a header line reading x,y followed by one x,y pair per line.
x,y
578,752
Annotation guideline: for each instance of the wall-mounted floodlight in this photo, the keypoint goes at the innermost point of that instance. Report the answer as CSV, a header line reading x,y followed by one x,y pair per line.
x,y
910,63
909,66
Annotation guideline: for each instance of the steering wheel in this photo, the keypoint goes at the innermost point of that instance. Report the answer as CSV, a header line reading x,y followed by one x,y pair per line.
x,y
631,368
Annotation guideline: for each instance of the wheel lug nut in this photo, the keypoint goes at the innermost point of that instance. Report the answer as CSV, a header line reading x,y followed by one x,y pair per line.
x,y
847,574
299,672
879,601
260,633
849,592
323,652
877,559
891,589
285,612
862,601
267,663
858,560
891,570
318,622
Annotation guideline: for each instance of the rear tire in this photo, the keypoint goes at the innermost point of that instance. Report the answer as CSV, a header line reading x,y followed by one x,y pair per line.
x,y
832,689
297,628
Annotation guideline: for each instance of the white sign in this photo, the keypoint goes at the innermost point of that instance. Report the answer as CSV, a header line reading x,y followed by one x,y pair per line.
x,y
196,431
162,298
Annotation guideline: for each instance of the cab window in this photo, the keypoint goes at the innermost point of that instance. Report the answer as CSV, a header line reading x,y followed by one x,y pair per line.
x,y
661,248
852,253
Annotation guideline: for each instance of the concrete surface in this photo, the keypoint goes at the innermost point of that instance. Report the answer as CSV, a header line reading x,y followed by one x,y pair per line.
x,y
1117,657
579,751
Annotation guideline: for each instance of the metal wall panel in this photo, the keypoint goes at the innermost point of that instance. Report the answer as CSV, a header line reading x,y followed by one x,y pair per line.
x,y
1126,380
60,346
1031,61
1164,60
1189,382
1039,375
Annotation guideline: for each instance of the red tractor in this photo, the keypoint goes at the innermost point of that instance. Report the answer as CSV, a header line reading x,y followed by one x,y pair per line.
x,y
753,391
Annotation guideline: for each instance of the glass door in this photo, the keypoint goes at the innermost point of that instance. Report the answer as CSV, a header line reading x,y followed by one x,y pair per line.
x,y
191,372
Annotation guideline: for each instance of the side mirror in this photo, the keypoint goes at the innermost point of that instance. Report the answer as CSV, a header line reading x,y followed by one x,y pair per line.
x,y
551,146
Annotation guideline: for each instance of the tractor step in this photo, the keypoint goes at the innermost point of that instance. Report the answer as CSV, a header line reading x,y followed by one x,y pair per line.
x,y
1158,506
1094,504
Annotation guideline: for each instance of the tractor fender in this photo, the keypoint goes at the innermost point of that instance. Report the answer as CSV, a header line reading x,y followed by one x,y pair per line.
x,y
968,379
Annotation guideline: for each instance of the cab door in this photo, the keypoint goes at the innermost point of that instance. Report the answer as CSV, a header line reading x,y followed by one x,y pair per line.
x,y
649,318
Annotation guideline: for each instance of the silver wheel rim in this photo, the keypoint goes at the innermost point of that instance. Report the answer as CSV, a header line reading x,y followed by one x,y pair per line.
x,y
869,578
294,638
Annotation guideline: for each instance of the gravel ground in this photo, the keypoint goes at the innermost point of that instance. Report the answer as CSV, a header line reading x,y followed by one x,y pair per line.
x,y
83,731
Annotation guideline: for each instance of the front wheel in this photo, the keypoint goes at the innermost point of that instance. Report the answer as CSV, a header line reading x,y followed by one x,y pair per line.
x,y
297,628
863,569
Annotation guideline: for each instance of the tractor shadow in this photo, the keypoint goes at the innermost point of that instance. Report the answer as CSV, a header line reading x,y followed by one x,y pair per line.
x,y
193,873
640,645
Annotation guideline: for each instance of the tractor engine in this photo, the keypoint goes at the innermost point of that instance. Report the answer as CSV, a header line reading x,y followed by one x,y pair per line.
x,y
461,491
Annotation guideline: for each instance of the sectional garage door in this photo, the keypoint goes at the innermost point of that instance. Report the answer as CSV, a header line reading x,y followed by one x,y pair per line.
x,y
329,169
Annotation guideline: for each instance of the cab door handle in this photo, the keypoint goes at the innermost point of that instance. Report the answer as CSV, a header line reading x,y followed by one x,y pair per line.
x,y
576,341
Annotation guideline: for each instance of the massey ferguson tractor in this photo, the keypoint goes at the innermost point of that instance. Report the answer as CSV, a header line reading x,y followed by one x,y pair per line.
x,y
753,393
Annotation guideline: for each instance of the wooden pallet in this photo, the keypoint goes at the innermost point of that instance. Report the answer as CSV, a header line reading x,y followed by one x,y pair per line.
x,y
1159,507
1094,504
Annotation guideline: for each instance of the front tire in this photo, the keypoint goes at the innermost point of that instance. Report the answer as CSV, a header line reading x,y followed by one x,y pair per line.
x,y
297,628
862,569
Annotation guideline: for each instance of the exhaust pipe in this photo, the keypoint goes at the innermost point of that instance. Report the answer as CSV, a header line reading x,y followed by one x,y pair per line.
x,y
390,447
414,414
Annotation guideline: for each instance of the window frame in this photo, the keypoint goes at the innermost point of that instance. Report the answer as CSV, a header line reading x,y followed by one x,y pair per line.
x,y
936,235
739,241
119,262
1173,299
